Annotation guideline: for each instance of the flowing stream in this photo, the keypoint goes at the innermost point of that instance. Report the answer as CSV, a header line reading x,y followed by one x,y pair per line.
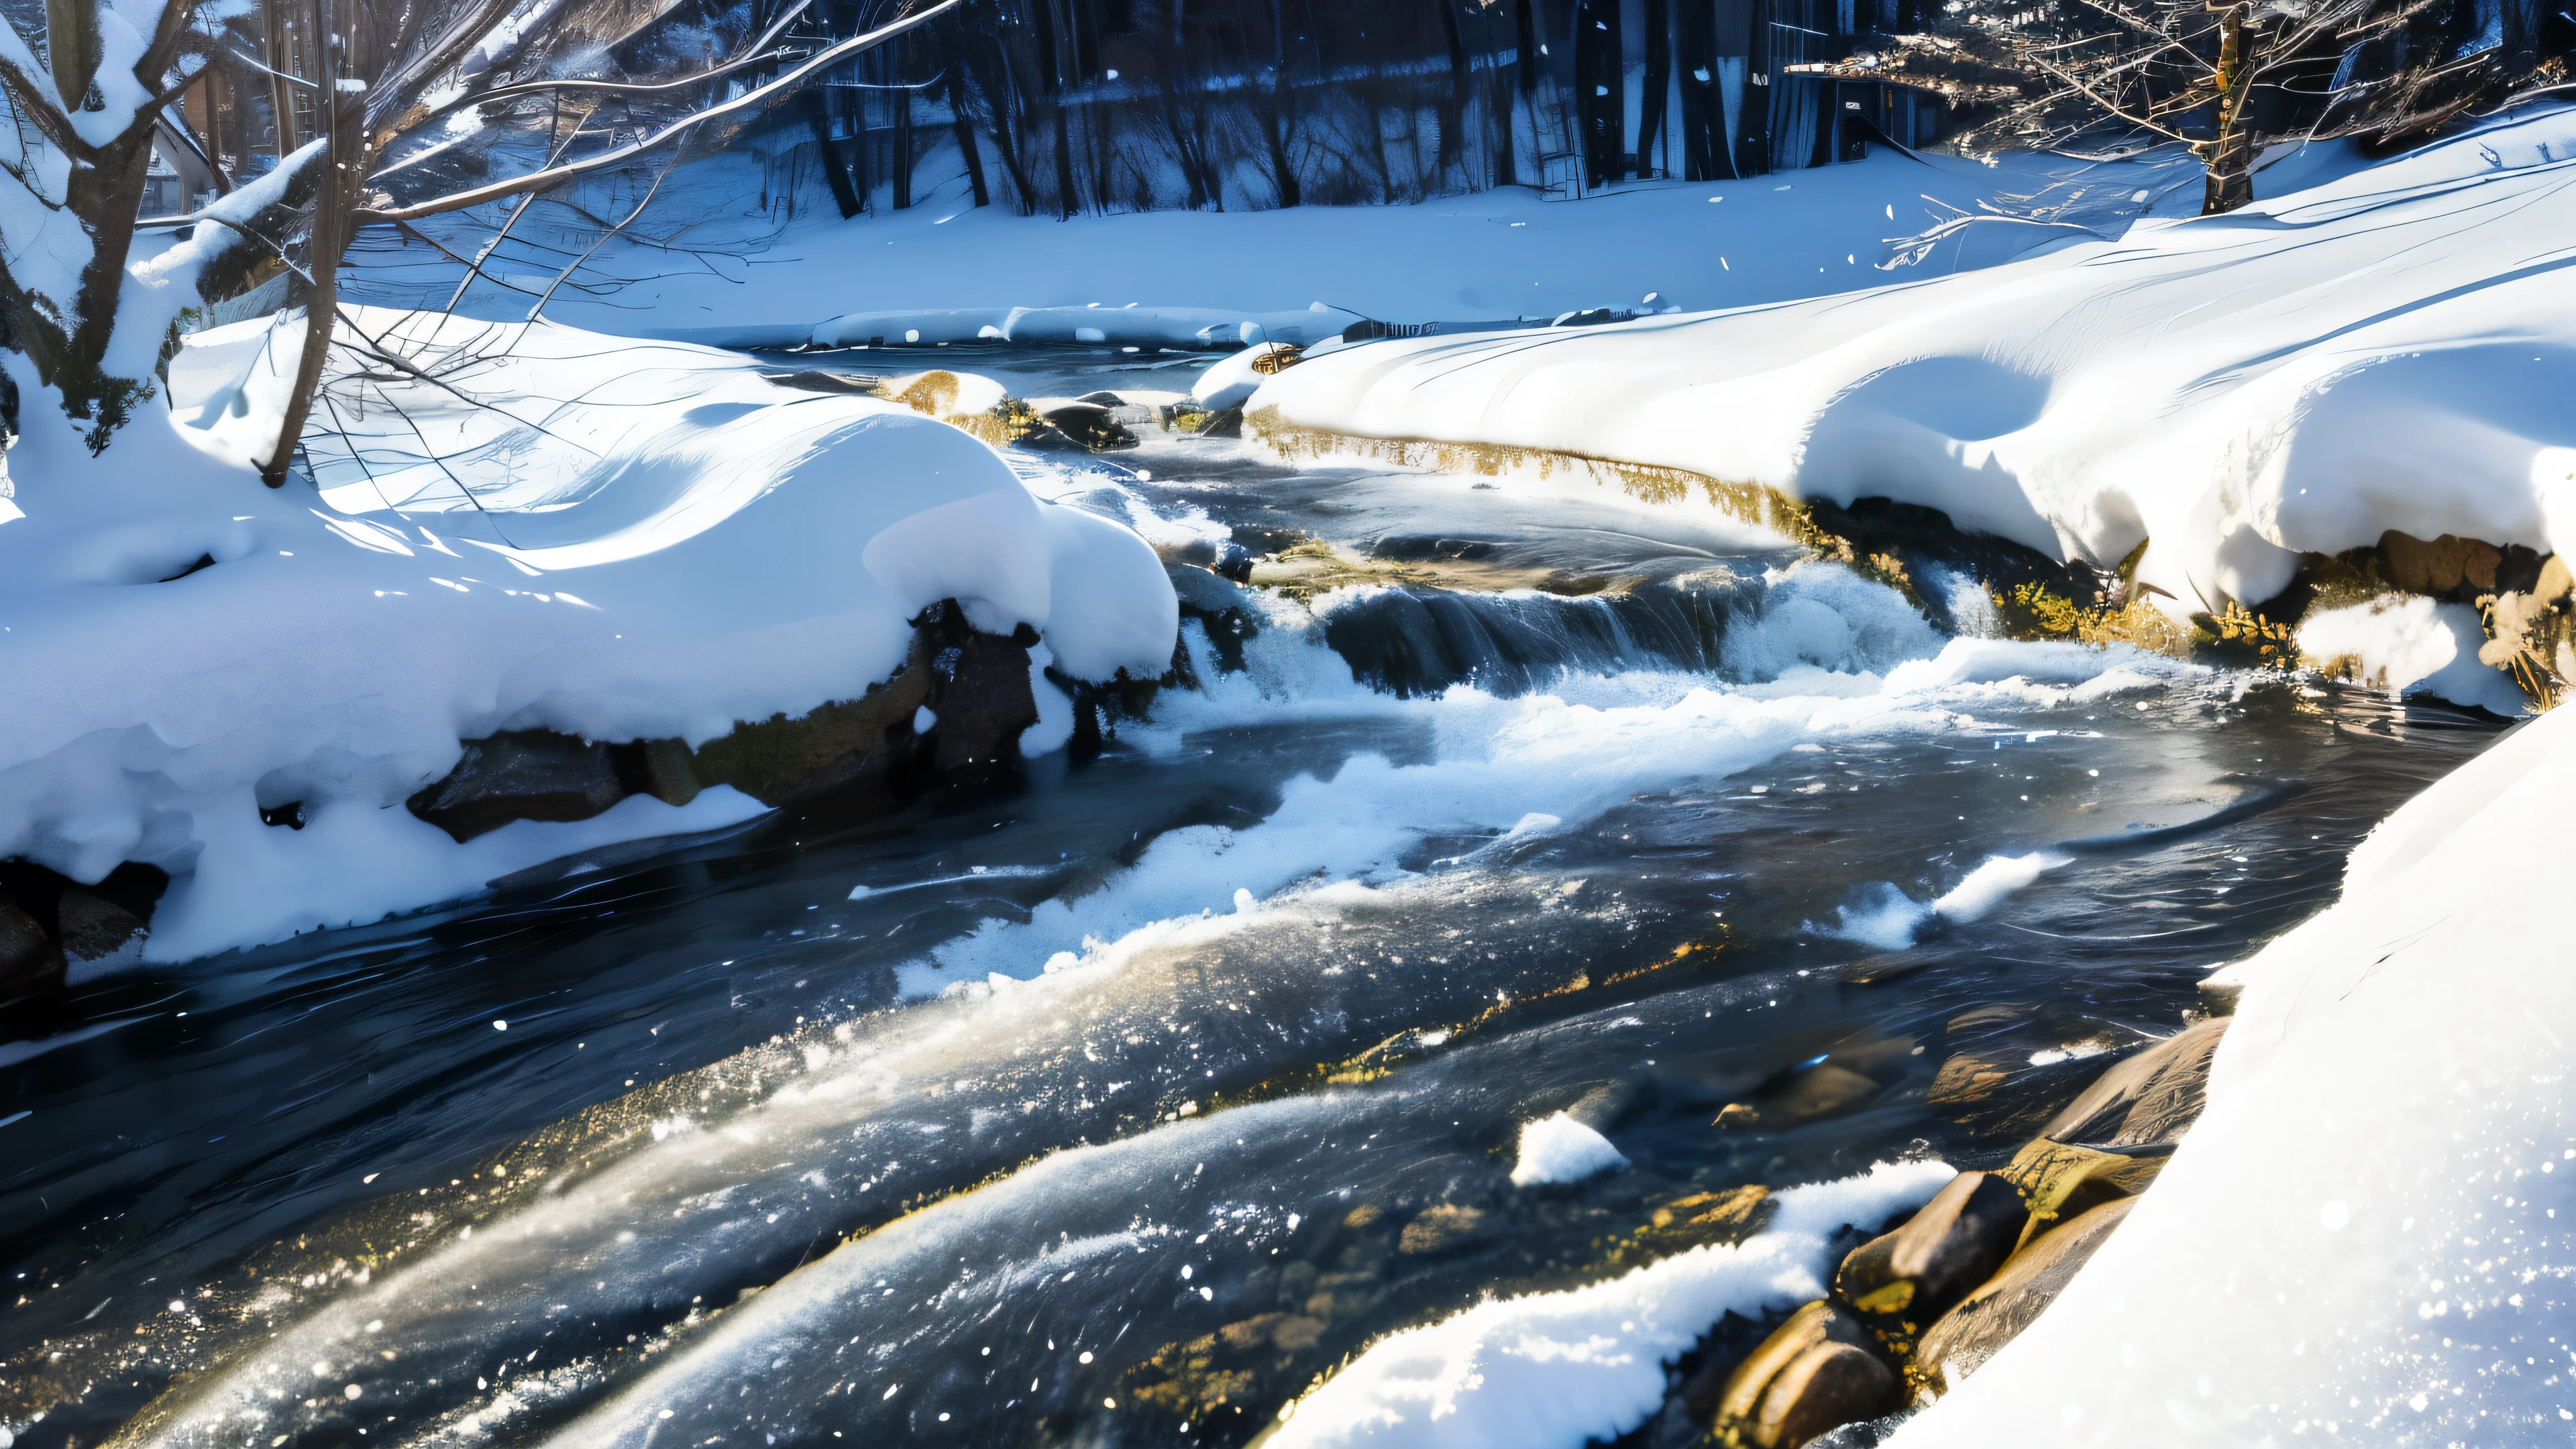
x,y
1117,1106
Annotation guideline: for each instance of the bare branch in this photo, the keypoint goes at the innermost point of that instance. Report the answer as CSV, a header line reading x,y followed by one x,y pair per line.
x,y
621,155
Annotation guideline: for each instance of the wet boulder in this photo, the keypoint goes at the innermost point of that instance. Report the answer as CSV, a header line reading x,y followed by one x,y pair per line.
x,y
1958,1240
96,934
1090,426
662,769
28,960
2062,1181
520,775
2152,1097
1962,1340
1815,1373
980,700
832,747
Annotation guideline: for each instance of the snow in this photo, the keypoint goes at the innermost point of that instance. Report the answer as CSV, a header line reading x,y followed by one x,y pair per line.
x,y
618,541
2390,349
2412,645
2369,1236
1554,1369
1996,877
1887,919
1559,1149
1233,379
716,270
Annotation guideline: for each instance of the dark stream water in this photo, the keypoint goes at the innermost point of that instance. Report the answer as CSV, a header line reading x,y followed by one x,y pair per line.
x,y
983,1124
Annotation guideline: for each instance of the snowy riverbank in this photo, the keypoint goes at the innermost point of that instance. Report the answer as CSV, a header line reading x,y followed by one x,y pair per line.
x,y
2361,1239
563,531
2388,350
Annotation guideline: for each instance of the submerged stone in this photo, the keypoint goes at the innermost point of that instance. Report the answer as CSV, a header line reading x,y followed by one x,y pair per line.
x,y
1439,1229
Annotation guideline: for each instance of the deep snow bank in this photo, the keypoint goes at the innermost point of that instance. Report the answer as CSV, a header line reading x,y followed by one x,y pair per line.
x,y
524,527
2370,1235
2392,349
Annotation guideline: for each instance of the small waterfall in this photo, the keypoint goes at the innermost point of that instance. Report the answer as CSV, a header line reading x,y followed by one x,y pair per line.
x,y
1415,641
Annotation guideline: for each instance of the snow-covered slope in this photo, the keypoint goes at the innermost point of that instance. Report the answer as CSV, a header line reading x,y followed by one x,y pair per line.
x,y
556,529
2391,349
2368,1238
707,265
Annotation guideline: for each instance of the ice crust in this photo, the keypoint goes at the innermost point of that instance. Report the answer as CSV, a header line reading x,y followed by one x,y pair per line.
x,y
631,541
1554,1370
2391,349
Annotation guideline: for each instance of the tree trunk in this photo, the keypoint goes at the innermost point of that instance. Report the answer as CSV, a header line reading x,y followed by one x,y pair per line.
x,y
965,130
1601,90
343,171
828,152
1704,137
1499,102
106,197
902,140
1453,104
2229,155
1065,198
1525,44
1659,79
281,99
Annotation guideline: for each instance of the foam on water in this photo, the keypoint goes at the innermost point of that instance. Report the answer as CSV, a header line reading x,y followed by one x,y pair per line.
x,y
1831,656
1888,919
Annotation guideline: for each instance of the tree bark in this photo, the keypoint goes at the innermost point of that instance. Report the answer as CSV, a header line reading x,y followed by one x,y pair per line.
x,y
835,174
343,174
1453,105
965,130
1659,79
2229,155
902,138
1601,86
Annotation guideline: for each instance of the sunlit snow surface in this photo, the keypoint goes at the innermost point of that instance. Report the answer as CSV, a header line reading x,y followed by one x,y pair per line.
x,y
2371,1234
547,529
2391,349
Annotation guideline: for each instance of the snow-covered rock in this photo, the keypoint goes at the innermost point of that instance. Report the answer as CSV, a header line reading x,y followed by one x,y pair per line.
x,y
1231,381
1553,1369
2362,1240
2392,349
1556,1148
553,530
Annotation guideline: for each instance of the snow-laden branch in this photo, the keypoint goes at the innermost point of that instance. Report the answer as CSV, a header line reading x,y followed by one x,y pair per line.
x,y
752,99
761,50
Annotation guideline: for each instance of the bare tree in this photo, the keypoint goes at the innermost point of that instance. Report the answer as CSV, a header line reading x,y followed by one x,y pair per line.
x,y
369,87
2225,78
